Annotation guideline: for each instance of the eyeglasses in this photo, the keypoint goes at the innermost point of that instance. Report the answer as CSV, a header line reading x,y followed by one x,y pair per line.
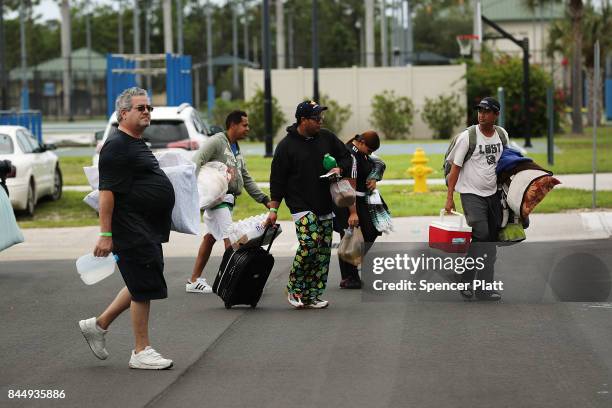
x,y
141,108
317,119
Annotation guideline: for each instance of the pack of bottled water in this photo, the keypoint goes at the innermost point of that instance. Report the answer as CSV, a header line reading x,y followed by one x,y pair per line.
x,y
248,232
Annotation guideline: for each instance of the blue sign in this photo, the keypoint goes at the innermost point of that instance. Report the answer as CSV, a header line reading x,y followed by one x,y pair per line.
x,y
49,89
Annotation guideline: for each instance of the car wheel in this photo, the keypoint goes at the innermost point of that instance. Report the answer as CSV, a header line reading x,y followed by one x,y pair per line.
x,y
31,201
58,184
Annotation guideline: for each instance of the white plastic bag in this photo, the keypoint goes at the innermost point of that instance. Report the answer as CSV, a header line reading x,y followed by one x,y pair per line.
x,y
181,173
93,176
350,249
93,200
213,182
10,234
248,231
342,193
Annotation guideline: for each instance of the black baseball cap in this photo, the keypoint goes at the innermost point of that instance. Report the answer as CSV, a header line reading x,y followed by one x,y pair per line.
x,y
489,103
309,109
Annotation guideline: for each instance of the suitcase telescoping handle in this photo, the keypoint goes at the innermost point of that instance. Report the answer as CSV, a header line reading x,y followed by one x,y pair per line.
x,y
275,226
461,217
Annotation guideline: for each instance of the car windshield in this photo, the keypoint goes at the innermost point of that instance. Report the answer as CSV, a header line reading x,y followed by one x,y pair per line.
x,y
6,144
162,132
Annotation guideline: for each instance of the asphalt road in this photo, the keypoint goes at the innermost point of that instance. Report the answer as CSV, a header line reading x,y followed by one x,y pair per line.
x,y
415,352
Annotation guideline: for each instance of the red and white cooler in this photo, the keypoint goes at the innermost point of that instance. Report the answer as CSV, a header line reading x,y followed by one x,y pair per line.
x,y
450,234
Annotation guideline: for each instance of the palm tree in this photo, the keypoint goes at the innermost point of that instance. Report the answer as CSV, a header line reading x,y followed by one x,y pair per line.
x,y
576,11
596,25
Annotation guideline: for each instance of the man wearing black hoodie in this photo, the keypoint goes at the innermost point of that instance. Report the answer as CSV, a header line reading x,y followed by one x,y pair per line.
x,y
295,176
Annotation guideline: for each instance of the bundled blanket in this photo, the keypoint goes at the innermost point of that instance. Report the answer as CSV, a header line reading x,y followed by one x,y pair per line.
x,y
524,182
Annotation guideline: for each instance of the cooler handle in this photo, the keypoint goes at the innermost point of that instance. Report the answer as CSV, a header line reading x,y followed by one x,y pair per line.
x,y
461,219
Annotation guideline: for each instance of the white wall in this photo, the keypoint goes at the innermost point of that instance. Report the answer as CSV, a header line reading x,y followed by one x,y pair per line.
x,y
357,86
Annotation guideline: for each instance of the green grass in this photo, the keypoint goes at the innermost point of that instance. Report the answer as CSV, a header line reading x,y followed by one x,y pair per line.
x,y
71,211
575,157
72,170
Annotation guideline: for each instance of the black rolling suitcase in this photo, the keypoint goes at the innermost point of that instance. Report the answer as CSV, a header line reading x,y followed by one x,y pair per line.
x,y
243,274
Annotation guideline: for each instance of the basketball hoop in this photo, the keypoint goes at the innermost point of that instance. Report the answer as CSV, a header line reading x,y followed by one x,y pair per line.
x,y
465,42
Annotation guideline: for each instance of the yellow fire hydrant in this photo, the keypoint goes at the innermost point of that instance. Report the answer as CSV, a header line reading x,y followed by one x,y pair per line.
x,y
419,170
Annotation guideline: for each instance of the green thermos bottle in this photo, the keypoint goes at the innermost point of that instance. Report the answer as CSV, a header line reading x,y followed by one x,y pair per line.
x,y
329,162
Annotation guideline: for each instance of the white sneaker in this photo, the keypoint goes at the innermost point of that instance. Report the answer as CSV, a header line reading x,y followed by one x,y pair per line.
x,y
199,286
295,301
94,335
149,359
317,304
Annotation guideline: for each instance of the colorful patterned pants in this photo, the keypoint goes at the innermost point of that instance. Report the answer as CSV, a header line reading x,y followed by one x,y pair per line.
x,y
308,276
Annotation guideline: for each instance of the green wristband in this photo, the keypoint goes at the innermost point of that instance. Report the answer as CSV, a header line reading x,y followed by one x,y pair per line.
x,y
274,210
106,234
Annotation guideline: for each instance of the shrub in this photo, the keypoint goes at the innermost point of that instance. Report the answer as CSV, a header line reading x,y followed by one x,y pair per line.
x,y
392,114
223,108
443,114
484,79
255,109
336,115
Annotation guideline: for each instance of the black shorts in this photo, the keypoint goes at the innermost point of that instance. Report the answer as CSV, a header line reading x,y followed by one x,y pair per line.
x,y
142,269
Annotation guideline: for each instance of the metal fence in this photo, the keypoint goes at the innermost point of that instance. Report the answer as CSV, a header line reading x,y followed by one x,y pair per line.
x,y
30,119
46,93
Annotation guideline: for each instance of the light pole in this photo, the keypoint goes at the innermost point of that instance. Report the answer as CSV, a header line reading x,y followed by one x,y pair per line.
x,y
267,80
66,51
167,11
280,35
210,95
120,28
290,42
89,73
369,32
136,24
25,102
358,27
179,27
383,34
315,50
235,84
3,79
148,44
246,31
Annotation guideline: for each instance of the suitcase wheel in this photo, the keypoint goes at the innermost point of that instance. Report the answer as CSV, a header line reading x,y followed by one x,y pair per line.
x,y
254,305
228,306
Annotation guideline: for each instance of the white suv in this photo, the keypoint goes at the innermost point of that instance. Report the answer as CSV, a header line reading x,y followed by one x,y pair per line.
x,y
172,127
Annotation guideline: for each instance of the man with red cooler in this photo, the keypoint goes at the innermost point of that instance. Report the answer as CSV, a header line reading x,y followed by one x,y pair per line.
x,y
474,158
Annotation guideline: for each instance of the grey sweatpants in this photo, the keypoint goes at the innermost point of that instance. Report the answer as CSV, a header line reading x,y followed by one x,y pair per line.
x,y
483,214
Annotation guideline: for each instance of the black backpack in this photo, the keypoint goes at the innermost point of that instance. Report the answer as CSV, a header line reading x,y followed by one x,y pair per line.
x,y
448,165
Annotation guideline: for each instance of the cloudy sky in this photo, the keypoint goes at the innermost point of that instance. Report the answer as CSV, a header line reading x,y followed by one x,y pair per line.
x,y
50,11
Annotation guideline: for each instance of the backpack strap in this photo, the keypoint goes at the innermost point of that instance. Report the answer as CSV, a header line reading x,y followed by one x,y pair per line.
x,y
472,142
502,136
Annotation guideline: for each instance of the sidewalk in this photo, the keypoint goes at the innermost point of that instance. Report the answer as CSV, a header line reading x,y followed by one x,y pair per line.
x,y
70,243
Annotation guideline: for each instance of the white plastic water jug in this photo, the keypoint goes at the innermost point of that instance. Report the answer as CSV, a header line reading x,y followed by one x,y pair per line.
x,y
93,269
